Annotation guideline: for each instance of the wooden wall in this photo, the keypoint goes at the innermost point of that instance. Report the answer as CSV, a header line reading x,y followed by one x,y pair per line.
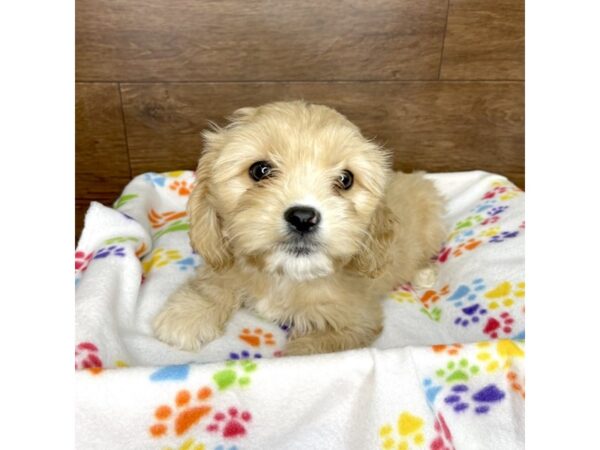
x,y
440,82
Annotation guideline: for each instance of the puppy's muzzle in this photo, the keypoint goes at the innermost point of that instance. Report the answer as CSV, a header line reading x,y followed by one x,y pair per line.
x,y
302,219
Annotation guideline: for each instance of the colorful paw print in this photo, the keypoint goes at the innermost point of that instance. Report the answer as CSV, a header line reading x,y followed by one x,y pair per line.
x,y
235,373
187,412
458,371
409,429
443,440
82,260
468,245
489,203
404,293
502,191
515,384
502,324
87,357
432,296
431,391
188,444
257,337
469,222
113,250
244,354
158,220
155,179
505,294
123,199
466,293
503,236
434,313
181,187
482,400
469,315
452,349
160,258
179,225
231,424
189,263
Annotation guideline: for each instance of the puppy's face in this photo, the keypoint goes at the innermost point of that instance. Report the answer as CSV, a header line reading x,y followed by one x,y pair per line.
x,y
288,188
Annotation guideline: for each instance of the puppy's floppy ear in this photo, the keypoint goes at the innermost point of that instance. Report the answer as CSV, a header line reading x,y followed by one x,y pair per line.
x,y
372,260
205,225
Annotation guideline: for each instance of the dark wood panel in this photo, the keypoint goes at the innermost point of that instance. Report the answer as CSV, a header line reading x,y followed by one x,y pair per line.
x,y
246,40
101,160
447,126
485,40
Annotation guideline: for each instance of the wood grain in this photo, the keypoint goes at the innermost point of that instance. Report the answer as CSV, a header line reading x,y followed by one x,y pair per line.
x,y
485,40
101,160
258,40
433,126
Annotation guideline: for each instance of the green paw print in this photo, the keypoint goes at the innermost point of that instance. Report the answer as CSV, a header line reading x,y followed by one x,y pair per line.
x,y
460,371
469,222
435,314
120,239
123,199
234,372
180,225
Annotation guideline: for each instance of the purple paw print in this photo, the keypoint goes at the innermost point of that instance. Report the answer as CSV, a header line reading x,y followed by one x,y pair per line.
x,y
483,399
244,354
504,236
107,251
497,210
470,314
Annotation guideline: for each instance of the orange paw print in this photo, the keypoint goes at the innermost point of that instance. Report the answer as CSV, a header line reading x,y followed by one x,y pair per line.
x,y
157,220
471,244
254,338
431,296
452,349
182,187
185,416
514,383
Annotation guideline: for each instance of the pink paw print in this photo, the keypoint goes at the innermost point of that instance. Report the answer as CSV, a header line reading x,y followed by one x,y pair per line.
x,y
230,425
86,356
493,326
82,260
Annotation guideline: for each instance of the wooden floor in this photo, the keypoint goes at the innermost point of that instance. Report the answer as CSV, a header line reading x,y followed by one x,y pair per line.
x,y
438,82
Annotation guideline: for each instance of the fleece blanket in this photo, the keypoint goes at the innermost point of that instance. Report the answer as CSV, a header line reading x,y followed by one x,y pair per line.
x,y
446,373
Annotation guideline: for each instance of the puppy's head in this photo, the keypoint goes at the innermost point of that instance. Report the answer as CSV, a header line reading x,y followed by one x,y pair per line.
x,y
291,188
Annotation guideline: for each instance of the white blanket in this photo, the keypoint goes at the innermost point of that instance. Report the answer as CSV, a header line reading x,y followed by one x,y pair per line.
x,y
402,393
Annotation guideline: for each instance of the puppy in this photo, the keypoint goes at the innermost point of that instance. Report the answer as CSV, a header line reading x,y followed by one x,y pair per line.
x,y
301,219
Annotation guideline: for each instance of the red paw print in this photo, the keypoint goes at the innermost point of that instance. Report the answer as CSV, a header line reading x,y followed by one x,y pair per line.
x,y
230,425
493,326
86,356
82,260
443,441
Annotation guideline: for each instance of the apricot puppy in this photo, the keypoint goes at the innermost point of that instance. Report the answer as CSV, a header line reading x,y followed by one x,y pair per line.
x,y
301,219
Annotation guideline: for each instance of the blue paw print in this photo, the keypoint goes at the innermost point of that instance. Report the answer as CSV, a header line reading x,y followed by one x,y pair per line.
x,y
188,263
484,206
483,399
504,236
464,235
107,251
431,390
175,372
464,293
155,178
244,354
497,210
222,447
470,314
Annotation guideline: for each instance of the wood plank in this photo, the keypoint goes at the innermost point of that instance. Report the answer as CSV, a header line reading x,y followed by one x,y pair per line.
x,y
485,40
433,126
101,160
260,40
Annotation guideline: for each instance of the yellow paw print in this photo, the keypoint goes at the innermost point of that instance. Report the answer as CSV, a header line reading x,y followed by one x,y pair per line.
x,y
493,231
505,294
409,433
160,258
403,294
499,355
189,444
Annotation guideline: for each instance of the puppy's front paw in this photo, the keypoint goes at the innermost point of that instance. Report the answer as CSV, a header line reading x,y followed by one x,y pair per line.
x,y
185,330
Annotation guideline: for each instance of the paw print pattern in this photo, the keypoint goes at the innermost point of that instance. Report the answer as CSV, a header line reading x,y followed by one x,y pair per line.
x,y
257,337
466,293
179,225
431,391
409,431
458,371
87,357
502,191
482,207
82,260
244,354
498,355
181,187
189,263
123,199
231,424
188,411
158,220
470,315
155,178
108,251
468,245
188,444
505,294
515,384
434,313
496,325
404,293
159,258
482,400
452,349
432,296
443,440
503,236
234,373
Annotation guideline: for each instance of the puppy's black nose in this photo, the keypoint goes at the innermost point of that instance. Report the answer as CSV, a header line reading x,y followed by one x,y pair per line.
x,y
303,219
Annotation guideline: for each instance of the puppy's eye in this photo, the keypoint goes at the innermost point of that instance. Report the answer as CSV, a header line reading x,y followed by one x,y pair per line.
x,y
345,180
260,170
